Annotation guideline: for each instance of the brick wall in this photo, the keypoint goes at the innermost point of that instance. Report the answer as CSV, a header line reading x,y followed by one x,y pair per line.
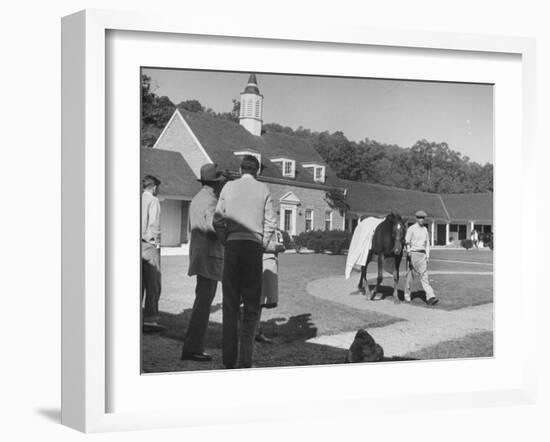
x,y
310,199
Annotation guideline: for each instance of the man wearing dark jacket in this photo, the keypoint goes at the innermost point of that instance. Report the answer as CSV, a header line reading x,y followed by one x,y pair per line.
x,y
205,261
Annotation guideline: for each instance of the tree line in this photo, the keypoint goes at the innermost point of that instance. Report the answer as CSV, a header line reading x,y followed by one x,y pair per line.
x,y
426,166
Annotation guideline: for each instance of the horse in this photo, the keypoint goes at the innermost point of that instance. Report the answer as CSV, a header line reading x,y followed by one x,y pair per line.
x,y
387,242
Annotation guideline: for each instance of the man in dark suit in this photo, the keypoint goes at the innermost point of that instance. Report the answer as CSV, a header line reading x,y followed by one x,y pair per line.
x,y
205,261
245,218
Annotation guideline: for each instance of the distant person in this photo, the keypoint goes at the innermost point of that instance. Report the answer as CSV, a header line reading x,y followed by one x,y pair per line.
x,y
474,238
205,260
245,218
417,243
150,254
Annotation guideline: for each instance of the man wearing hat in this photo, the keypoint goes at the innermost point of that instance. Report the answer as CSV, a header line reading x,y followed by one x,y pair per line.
x,y
417,242
205,260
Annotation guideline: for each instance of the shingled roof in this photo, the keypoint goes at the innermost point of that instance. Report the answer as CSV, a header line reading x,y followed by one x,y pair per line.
x,y
379,200
222,138
177,178
469,206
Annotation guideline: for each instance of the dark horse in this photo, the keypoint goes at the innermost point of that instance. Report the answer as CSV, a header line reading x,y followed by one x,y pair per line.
x,y
387,242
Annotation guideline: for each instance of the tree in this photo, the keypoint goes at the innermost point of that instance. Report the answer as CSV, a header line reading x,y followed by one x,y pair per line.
x,y
427,165
336,199
191,106
155,112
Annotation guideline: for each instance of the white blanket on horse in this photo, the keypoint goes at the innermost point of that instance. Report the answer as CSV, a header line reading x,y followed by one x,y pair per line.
x,y
361,242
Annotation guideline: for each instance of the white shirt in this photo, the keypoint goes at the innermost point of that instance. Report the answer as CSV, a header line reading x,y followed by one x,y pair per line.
x,y
417,238
150,218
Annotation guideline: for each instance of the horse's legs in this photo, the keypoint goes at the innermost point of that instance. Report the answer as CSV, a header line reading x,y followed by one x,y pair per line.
x,y
396,279
367,289
380,274
363,277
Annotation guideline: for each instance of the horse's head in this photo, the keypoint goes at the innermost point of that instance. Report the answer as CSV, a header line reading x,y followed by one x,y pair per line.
x,y
398,232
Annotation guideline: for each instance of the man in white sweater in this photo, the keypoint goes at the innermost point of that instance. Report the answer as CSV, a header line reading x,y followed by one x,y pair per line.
x,y
245,221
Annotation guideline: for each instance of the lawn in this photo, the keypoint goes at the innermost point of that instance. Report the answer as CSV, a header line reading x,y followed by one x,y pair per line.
x,y
301,316
475,345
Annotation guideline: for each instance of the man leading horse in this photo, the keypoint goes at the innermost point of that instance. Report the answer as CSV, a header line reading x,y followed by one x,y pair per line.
x,y
417,244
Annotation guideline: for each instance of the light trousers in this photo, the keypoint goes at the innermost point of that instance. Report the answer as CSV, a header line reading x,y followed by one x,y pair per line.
x,y
418,269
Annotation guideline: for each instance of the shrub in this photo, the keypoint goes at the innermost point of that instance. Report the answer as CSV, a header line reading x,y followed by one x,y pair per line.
x,y
288,241
334,241
467,243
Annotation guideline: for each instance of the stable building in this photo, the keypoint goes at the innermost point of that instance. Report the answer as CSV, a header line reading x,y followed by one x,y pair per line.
x,y
451,217
296,174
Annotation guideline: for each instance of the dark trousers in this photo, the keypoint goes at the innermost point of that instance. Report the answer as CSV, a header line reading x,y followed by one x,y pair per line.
x,y
242,283
205,291
150,281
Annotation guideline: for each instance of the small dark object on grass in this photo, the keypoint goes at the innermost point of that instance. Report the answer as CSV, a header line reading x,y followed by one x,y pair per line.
x,y
467,243
364,348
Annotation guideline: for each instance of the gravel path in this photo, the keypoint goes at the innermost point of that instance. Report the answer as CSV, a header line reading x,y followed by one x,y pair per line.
x,y
421,327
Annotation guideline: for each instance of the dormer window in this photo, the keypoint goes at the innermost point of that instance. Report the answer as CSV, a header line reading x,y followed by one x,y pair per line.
x,y
288,166
317,170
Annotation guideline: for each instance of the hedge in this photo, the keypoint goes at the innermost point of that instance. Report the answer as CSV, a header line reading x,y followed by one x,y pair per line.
x,y
334,241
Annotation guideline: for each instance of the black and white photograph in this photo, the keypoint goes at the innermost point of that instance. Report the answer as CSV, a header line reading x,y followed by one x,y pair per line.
x,y
302,220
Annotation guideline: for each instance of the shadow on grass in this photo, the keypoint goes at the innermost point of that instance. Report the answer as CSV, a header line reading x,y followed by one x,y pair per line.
x,y
290,346
296,328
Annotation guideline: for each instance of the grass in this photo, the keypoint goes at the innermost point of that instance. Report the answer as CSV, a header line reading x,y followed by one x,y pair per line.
x,y
475,345
301,316
298,317
453,291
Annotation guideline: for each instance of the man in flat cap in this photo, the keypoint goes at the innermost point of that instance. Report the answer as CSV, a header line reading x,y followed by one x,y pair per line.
x,y
205,260
417,242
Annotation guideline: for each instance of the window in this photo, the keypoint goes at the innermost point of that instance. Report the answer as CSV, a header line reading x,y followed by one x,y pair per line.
x,y
258,109
288,166
318,174
459,230
328,220
249,108
317,170
309,220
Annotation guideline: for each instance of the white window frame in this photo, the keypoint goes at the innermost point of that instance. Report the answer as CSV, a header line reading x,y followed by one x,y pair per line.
x,y
315,168
312,219
330,219
292,208
284,162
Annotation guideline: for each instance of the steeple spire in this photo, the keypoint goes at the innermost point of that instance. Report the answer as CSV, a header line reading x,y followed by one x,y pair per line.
x,y
251,116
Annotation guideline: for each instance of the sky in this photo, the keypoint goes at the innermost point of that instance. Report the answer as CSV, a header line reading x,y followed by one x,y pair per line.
x,y
389,111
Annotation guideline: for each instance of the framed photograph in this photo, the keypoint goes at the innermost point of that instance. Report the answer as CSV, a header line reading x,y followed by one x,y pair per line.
x,y
322,217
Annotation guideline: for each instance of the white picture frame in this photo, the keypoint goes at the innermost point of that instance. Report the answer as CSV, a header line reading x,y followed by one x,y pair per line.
x,y
85,202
